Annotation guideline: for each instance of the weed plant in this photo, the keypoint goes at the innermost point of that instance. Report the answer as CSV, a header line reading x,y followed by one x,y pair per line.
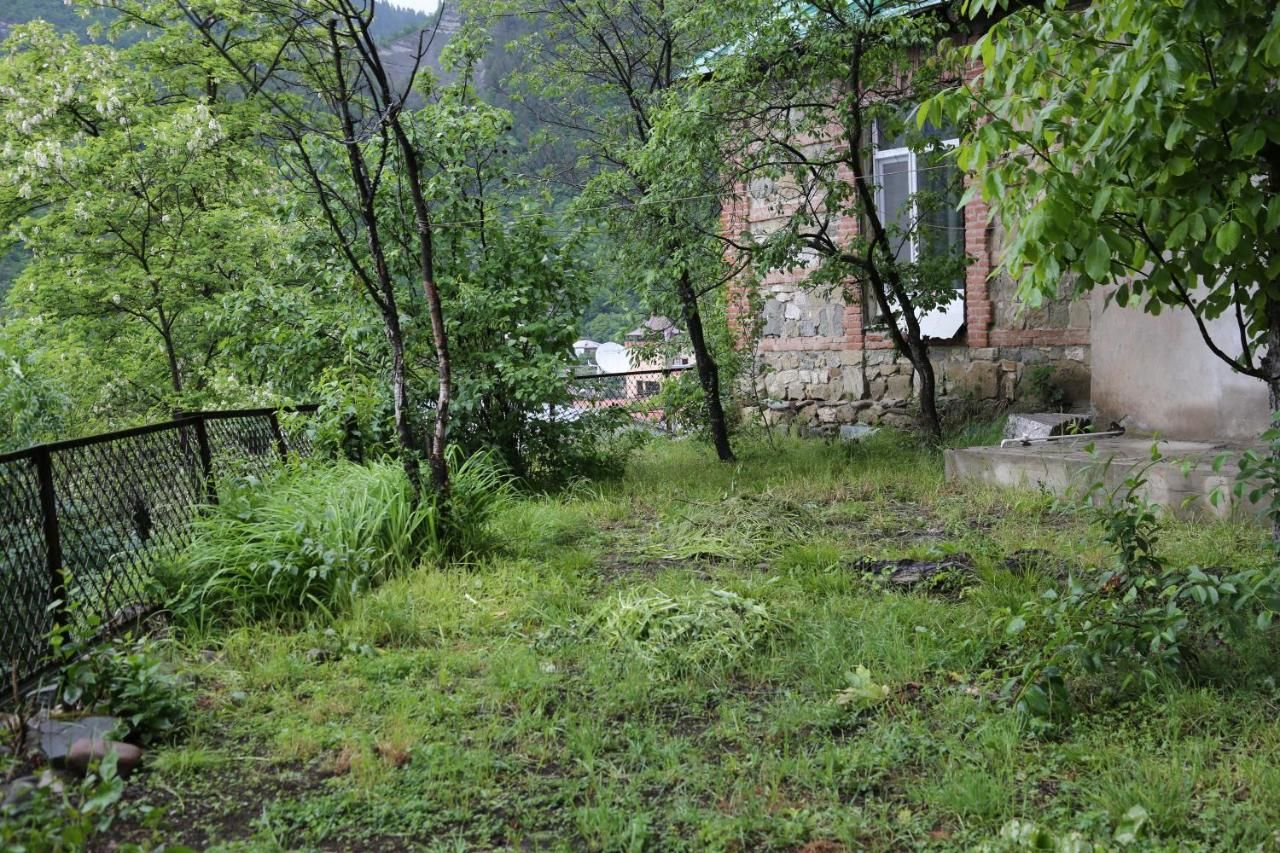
x,y
127,677
709,630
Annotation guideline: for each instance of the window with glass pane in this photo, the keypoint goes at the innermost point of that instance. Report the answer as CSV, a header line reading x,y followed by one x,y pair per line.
x,y
918,195
941,222
893,175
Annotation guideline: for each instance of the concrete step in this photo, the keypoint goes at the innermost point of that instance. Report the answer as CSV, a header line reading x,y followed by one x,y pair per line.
x,y
1184,481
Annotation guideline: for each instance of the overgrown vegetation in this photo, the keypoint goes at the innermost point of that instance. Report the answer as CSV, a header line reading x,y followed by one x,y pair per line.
x,y
777,646
315,537
128,677
692,657
1142,616
46,818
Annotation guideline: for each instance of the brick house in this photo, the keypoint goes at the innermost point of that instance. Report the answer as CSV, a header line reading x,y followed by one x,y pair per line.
x,y
822,357
822,360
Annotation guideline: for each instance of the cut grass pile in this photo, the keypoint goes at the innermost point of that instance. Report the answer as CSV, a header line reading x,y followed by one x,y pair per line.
x,y
686,659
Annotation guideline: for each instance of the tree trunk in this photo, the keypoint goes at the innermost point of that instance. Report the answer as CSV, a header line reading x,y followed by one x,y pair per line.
x,y
1271,367
708,370
928,394
367,210
400,404
886,282
171,357
1271,361
439,335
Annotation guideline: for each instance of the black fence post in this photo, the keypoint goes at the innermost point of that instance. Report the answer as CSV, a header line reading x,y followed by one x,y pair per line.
x,y
43,462
206,455
282,447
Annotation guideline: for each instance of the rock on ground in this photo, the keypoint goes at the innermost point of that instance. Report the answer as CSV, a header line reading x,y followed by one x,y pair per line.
x,y
55,736
85,751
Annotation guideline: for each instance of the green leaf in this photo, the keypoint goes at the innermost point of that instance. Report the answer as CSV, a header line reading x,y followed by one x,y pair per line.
x,y
1130,826
1228,236
1097,259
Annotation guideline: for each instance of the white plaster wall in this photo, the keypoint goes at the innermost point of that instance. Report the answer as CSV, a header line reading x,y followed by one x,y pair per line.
x,y
1158,373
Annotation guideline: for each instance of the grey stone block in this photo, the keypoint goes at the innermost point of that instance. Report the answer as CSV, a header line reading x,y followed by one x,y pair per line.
x,y
1038,426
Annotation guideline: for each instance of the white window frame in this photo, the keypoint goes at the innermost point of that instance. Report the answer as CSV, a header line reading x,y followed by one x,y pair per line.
x,y
947,319
880,156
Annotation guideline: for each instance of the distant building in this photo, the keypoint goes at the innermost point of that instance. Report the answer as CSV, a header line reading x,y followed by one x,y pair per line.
x,y
585,351
656,328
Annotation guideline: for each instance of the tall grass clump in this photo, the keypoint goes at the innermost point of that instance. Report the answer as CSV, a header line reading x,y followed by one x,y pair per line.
x,y
312,538
479,486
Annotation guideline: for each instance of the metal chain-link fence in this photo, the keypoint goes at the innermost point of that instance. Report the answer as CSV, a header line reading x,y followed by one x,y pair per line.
x,y
86,522
635,392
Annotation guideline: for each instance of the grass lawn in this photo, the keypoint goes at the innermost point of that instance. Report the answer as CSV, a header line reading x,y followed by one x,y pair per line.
x,y
654,664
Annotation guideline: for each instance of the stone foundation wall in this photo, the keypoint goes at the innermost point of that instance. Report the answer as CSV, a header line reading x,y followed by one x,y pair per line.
x,y
821,362
829,388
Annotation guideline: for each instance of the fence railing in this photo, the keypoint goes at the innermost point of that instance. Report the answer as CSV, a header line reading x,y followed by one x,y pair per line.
x,y
86,521
634,392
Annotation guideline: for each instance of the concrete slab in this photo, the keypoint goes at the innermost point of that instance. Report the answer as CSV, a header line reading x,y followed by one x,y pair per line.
x,y
1183,481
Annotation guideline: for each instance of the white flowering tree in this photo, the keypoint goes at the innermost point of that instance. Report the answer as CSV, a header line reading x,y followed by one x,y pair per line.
x,y
130,182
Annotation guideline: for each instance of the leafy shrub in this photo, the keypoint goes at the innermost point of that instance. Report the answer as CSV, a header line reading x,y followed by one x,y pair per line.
x,y
1258,480
125,677
1027,835
515,298
1042,381
1142,616
863,692
684,402
313,538
32,406
62,819
697,632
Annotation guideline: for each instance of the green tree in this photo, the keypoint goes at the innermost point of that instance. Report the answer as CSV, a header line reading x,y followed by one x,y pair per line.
x,y
804,105
34,407
134,189
1137,144
340,119
603,70
515,292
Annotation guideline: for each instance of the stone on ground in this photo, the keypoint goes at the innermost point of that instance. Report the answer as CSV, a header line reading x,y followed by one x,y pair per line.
x,y
56,736
88,750
1040,426
909,573
856,432
19,791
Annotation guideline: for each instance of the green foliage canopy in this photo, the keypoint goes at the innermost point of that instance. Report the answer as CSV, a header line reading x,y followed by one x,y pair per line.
x,y
141,200
1136,144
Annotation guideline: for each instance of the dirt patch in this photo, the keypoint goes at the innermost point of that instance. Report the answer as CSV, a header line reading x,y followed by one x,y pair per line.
x,y
1027,561
614,568
223,806
896,521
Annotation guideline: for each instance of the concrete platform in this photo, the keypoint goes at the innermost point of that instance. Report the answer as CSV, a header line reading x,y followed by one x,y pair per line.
x,y
1182,481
